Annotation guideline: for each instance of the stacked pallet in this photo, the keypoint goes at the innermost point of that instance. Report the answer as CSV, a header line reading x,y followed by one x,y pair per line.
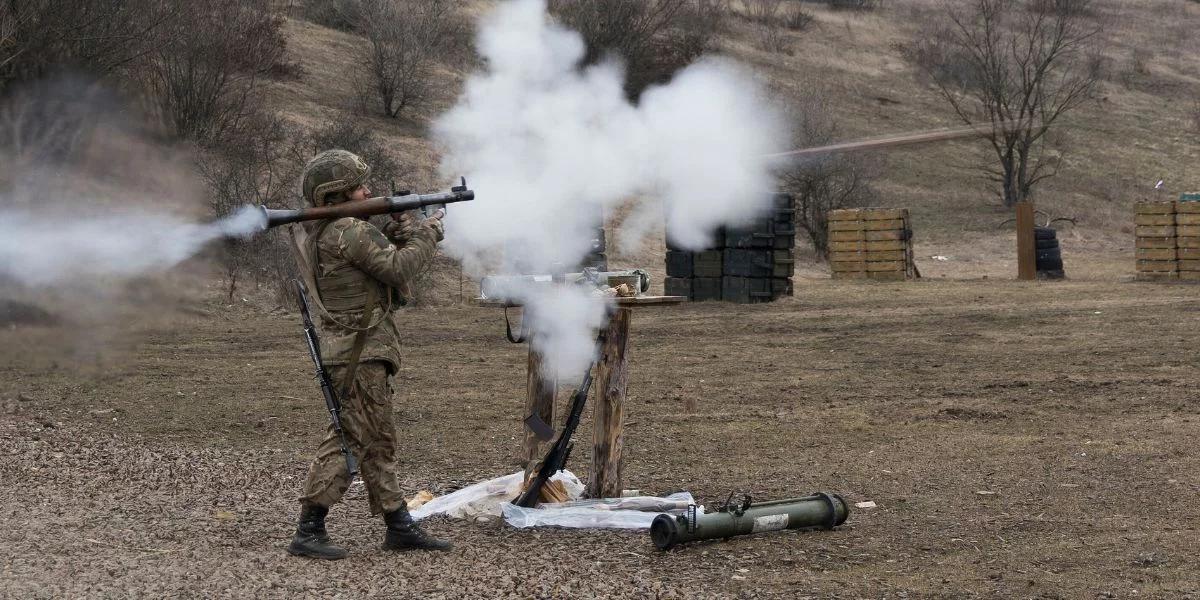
x,y
1187,238
748,264
871,243
1157,243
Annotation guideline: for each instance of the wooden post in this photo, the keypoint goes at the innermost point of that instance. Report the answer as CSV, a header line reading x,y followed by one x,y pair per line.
x,y
1026,246
608,420
540,391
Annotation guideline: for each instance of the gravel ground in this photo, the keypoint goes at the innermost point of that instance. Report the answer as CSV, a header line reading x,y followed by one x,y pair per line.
x,y
1020,440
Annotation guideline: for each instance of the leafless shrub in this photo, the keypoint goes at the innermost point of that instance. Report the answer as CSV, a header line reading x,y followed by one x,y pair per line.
x,y
853,4
43,38
254,165
337,14
49,122
767,16
654,38
406,40
204,77
1016,71
828,182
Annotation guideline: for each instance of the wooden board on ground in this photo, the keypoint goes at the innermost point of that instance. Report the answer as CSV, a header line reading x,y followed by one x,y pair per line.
x,y
1154,208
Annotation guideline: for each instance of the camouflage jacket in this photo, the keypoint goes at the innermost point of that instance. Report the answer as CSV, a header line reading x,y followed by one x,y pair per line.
x,y
349,255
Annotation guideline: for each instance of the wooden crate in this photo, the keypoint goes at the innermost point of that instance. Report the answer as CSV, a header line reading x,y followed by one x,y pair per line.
x,y
1157,228
871,243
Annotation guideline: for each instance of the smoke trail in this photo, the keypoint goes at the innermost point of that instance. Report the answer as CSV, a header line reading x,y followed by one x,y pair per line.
x,y
547,145
38,250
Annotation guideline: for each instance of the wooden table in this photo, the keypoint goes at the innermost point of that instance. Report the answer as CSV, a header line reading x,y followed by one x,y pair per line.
x,y
611,382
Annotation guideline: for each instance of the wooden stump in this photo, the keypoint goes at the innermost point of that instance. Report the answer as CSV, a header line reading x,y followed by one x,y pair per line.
x,y
1026,244
540,391
608,423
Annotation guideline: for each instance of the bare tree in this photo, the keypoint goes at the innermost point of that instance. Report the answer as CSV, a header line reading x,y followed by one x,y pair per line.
x,y
654,38
406,39
768,18
206,75
1016,66
828,182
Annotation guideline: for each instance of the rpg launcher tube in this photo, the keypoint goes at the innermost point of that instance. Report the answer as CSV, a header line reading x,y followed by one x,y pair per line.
x,y
818,510
367,208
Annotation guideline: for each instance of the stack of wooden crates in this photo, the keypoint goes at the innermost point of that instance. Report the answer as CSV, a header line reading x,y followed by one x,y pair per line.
x,y
749,264
1168,240
871,243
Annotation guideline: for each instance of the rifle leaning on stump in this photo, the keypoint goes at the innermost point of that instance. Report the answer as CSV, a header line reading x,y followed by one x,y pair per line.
x,y
556,458
331,400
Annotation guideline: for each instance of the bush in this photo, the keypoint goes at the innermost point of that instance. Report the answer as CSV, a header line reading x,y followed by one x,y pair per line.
x,y
349,135
405,42
654,38
343,15
828,182
853,4
205,76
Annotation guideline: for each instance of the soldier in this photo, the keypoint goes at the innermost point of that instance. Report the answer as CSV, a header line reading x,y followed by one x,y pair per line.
x,y
360,275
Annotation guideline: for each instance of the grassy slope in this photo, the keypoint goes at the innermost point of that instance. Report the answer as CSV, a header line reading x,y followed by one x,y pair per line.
x,y
1138,130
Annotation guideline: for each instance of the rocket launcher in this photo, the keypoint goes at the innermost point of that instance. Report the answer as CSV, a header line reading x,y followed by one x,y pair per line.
x,y
428,203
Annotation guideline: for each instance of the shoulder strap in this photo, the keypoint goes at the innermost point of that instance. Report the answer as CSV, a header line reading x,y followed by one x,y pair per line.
x,y
360,338
304,248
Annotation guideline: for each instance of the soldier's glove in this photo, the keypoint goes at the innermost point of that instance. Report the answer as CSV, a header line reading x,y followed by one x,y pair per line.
x,y
401,228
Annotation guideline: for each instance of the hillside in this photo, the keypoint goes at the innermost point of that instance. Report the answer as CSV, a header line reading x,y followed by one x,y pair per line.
x,y
1141,127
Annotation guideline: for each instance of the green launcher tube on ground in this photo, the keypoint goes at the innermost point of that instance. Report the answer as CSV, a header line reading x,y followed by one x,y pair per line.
x,y
821,509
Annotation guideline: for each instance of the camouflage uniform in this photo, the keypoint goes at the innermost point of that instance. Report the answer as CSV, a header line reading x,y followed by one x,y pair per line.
x,y
351,258
350,255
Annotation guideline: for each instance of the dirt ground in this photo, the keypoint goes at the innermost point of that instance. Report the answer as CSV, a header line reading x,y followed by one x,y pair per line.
x,y
1019,440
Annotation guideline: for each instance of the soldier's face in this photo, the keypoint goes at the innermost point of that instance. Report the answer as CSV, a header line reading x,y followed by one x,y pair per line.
x,y
361,192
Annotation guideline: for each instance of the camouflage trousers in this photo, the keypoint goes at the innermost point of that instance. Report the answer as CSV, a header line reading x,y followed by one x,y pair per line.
x,y
367,423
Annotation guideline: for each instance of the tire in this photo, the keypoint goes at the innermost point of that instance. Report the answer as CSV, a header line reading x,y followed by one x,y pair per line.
x,y
1049,259
1044,233
1046,244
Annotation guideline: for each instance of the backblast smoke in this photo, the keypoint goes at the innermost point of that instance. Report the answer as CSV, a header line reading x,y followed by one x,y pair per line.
x,y
548,145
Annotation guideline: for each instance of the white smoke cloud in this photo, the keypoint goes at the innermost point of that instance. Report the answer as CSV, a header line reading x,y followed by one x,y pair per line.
x,y
40,250
546,145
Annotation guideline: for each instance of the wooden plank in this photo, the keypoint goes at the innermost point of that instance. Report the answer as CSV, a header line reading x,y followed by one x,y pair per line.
x,y
1187,231
883,214
887,255
1157,276
1186,242
846,256
1026,246
1154,231
1188,218
1187,207
540,389
845,214
608,424
1157,265
887,225
1156,219
886,246
1154,208
1189,275
855,246
838,267
847,225
888,275
847,236
1157,254
880,236
849,274
1189,265
1157,242
1187,253
887,265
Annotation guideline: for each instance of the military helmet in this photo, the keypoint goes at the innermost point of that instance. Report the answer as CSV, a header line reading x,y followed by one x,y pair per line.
x,y
330,172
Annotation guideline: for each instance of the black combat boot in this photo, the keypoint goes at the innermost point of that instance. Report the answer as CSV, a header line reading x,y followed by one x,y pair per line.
x,y
311,538
404,534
